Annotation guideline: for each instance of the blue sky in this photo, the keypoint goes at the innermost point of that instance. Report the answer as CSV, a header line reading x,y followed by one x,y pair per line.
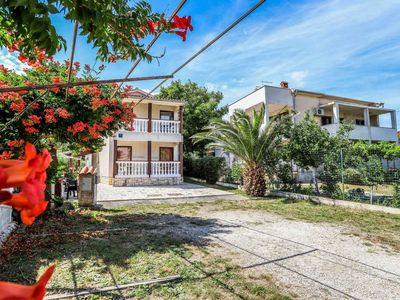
x,y
346,48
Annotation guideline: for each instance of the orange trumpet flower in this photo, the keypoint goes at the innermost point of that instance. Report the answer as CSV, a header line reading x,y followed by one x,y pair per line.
x,y
30,176
10,290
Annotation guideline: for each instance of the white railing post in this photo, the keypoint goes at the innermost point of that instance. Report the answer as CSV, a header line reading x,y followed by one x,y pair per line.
x,y
165,168
140,125
165,126
131,168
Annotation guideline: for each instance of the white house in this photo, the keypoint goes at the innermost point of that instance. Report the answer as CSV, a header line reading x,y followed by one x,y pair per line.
x,y
373,122
151,154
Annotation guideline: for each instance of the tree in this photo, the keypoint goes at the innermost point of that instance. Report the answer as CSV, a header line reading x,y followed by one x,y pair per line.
x,y
201,105
115,27
248,139
312,147
48,119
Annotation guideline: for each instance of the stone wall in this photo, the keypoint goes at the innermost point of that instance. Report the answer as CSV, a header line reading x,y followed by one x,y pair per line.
x,y
6,224
137,181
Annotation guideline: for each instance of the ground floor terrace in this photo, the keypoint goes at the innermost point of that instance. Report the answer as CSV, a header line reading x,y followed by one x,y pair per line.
x,y
130,163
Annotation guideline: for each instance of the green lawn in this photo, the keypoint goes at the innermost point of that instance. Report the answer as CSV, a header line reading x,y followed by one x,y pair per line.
x,y
97,248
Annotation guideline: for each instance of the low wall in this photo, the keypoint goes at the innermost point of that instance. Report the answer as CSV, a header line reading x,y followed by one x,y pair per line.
x,y
138,181
225,184
6,224
330,201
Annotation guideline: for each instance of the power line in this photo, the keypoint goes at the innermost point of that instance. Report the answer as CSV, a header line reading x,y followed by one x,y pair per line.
x,y
149,46
251,10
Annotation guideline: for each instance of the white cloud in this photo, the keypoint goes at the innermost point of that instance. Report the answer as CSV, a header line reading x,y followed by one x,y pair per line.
x,y
10,61
343,47
298,78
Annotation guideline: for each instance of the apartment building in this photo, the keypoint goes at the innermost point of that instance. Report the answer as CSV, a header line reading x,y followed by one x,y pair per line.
x,y
151,154
372,121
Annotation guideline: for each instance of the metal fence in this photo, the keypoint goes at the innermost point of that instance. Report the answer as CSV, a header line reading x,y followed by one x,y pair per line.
x,y
373,181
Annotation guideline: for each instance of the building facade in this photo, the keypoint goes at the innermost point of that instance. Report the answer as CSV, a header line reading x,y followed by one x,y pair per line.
x,y
151,154
372,121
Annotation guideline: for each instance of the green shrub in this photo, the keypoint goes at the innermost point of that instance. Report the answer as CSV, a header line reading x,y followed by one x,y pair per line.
x,y
396,195
234,174
208,168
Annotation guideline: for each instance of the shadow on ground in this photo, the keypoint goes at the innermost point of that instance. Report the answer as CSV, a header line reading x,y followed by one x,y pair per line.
x,y
99,241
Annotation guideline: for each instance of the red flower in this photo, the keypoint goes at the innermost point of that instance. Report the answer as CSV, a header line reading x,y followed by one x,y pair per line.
x,y
56,79
49,116
77,127
30,176
22,58
27,123
35,105
183,24
63,113
17,106
108,119
72,91
35,119
31,130
10,290
113,58
152,26
5,155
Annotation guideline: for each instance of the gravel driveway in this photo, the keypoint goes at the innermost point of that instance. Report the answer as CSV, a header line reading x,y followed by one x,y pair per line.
x,y
312,261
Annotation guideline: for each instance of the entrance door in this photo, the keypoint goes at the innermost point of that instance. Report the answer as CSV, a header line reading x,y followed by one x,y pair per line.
x,y
166,154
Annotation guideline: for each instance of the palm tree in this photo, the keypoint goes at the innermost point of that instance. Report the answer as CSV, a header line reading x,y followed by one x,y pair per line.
x,y
248,139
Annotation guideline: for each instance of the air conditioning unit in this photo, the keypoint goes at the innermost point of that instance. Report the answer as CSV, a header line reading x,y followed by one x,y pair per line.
x,y
319,111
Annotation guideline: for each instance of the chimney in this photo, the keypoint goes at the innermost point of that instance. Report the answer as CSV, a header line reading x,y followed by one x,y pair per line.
x,y
284,84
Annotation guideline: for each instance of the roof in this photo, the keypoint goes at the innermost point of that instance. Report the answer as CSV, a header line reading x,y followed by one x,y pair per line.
x,y
317,94
140,94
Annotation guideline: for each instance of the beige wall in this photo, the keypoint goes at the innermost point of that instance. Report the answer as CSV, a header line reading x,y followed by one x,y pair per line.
x,y
139,149
141,111
105,159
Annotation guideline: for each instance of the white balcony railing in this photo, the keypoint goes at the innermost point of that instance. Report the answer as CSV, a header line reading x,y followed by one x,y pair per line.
x,y
366,133
140,125
139,169
131,169
165,168
169,127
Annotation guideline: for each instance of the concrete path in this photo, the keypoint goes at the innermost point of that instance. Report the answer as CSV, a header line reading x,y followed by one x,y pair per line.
x,y
110,196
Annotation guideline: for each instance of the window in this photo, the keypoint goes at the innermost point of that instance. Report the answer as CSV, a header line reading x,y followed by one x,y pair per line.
x,y
326,120
360,122
166,154
166,115
124,153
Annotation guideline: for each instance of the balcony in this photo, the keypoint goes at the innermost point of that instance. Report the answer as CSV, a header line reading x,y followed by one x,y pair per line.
x,y
371,133
127,169
154,130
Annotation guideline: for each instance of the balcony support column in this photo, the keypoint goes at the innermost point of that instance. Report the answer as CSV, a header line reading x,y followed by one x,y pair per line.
x,y
181,158
149,158
149,115
180,119
336,113
367,121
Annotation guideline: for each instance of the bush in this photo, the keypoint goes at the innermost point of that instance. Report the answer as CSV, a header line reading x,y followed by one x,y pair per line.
x,y
234,174
396,195
208,168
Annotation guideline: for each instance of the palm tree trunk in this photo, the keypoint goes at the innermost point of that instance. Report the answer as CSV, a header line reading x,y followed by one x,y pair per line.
x,y
254,181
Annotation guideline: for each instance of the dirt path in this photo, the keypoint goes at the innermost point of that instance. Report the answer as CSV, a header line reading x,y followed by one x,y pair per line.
x,y
312,261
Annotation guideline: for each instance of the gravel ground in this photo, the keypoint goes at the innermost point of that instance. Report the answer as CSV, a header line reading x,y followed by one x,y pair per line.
x,y
312,261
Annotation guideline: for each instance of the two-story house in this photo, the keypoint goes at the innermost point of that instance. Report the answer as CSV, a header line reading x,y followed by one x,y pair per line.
x,y
151,154
372,121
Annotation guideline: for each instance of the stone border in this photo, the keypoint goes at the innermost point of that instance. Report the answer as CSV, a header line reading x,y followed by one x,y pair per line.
x,y
344,203
220,183
5,232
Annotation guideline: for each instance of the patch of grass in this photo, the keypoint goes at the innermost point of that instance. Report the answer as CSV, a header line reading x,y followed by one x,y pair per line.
x,y
96,248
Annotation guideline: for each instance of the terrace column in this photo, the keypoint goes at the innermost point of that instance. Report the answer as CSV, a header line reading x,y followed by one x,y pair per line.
x,y
393,119
367,121
181,158
181,119
149,115
149,158
336,113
